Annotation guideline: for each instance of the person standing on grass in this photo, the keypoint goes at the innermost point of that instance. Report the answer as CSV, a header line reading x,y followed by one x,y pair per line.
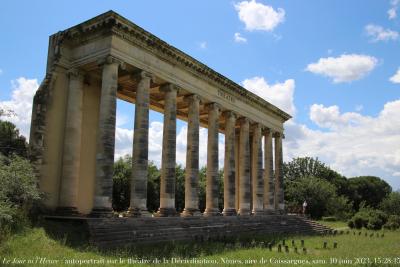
x,y
304,207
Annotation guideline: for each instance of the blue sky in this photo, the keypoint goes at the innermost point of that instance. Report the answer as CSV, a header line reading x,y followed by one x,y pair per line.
x,y
331,64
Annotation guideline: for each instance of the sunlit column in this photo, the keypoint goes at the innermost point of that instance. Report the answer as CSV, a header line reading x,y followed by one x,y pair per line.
x,y
72,146
244,168
106,139
192,158
212,161
167,183
140,152
229,165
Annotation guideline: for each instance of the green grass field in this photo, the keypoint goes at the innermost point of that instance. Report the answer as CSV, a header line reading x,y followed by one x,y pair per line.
x,y
34,247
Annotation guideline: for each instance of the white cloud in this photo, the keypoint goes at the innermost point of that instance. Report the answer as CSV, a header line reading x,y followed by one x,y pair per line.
x,y
354,144
257,16
346,68
23,90
378,33
330,117
279,94
392,12
239,38
203,45
396,77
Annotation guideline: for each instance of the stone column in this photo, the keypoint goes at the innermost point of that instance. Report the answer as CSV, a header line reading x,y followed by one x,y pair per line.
x,y
102,205
229,165
212,161
167,183
244,168
257,175
279,197
138,203
192,159
269,195
237,170
72,146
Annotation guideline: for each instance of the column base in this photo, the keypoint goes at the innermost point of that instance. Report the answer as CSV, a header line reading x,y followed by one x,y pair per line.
x,y
67,211
257,212
244,212
166,212
138,212
229,212
188,212
102,213
211,212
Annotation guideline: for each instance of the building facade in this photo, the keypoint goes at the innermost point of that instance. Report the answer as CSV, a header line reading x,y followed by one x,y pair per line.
x,y
72,140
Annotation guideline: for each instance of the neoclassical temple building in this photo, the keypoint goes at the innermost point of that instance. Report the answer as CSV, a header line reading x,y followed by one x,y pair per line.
x,y
106,58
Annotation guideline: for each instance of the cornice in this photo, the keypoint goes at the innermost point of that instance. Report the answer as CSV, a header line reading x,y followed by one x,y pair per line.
x,y
125,29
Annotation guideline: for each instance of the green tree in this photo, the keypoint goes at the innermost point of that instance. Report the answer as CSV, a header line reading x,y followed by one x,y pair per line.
x,y
11,142
153,188
316,191
121,183
179,188
391,204
369,189
202,188
305,167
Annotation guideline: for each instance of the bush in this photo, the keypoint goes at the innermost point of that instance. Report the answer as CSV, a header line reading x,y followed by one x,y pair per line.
x,y
18,192
393,222
371,219
391,204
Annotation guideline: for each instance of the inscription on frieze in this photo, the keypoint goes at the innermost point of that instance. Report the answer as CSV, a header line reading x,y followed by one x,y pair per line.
x,y
226,96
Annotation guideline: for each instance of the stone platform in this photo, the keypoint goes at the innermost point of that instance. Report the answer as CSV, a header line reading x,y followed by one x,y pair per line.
x,y
118,232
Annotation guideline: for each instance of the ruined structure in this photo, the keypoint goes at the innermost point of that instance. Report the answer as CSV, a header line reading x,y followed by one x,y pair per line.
x,y
73,125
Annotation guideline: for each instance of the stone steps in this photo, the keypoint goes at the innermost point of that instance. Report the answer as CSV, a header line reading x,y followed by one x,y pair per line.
x,y
115,232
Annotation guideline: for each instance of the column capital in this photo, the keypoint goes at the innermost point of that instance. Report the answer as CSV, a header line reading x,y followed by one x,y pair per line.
x,y
277,134
168,87
229,114
140,75
191,97
212,106
266,130
111,60
256,126
76,73
243,120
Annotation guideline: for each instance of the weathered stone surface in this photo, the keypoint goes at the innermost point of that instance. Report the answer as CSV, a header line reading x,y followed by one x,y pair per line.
x,y
192,159
257,174
106,140
107,233
244,168
72,145
269,187
279,196
229,165
212,161
140,154
167,183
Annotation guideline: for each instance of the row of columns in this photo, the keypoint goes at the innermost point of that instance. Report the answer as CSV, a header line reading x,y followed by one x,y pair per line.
x,y
266,193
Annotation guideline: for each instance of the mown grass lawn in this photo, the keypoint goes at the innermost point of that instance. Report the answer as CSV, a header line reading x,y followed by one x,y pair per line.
x,y
38,249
